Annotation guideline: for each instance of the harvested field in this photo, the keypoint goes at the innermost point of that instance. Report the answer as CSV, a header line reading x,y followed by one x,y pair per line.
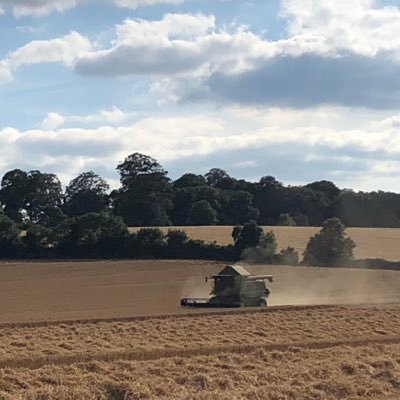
x,y
325,353
77,290
371,242
310,351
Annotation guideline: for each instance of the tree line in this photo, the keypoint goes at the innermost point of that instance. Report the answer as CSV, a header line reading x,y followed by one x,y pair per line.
x,y
147,196
104,235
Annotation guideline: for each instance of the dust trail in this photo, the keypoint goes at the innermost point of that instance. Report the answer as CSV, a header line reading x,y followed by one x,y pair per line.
x,y
198,286
312,285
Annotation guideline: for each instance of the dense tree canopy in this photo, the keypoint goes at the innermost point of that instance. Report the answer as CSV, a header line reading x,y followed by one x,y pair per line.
x,y
330,246
201,213
148,197
145,197
87,193
32,196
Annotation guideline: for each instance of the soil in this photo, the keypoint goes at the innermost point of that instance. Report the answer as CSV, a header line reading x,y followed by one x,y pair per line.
x,y
110,289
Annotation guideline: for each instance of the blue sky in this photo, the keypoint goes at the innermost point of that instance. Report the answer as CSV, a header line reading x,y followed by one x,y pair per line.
x,y
300,89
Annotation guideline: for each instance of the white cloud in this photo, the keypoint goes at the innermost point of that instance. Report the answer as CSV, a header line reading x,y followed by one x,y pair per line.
x,y
187,46
112,116
179,44
38,8
133,4
52,121
182,26
41,8
5,73
64,50
181,52
359,26
392,122
277,141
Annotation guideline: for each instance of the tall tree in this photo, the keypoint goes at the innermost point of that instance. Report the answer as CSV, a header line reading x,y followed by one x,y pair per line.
x,y
13,193
189,180
93,235
145,197
87,193
330,246
238,208
201,213
44,199
33,196
9,236
186,197
219,178
248,235
271,200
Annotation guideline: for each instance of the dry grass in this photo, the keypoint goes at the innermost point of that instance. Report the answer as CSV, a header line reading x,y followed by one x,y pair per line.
x,y
138,337
371,242
314,353
345,373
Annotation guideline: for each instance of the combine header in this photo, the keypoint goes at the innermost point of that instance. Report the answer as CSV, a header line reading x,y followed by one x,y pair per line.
x,y
234,287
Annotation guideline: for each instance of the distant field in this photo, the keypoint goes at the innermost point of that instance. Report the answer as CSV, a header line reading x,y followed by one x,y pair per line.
x,y
371,242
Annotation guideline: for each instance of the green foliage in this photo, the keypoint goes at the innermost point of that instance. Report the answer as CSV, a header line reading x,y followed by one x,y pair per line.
x,y
8,229
9,237
93,235
87,193
185,198
32,196
176,238
270,198
263,252
176,241
145,197
39,241
14,187
252,245
301,220
137,165
201,213
286,220
330,246
189,180
219,179
288,256
248,235
238,208
147,243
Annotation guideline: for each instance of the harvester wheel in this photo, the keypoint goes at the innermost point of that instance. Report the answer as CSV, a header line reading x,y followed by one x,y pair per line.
x,y
262,303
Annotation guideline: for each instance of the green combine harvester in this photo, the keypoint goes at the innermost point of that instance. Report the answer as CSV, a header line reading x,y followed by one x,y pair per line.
x,y
233,287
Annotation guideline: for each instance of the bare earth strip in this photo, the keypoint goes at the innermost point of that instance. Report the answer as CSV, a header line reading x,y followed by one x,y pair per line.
x,y
371,242
111,289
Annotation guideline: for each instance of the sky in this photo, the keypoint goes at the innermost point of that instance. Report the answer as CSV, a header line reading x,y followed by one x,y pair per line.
x,y
302,90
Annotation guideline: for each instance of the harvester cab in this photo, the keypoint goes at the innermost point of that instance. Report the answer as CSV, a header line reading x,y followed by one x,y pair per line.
x,y
234,286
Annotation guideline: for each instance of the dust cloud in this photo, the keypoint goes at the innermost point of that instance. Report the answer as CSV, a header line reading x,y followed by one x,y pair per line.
x,y
196,287
312,285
